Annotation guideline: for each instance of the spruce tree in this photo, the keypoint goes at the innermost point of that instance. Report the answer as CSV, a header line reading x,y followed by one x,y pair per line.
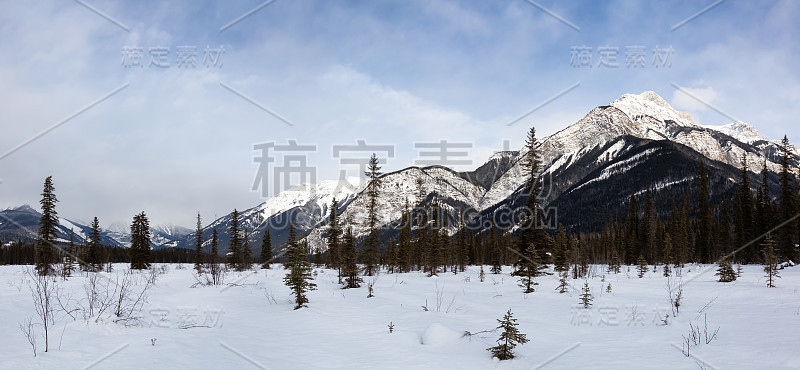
x,y
562,282
725,271
235,246
246,260
198,246
509,338
334,236
266,249
530,221
632,231
704,241
371,244
299,276
786,205
348,262
94,252
744,214
71,256
667,254
770,261
48,226
139,251
641,266
586,295
404,242
560,260
213,260
530,268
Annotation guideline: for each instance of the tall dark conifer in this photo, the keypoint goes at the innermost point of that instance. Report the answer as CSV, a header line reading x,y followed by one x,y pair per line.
x,y
299,276
704,241
371,243
235,246
48,224
632,249
198,245
349,266
531,219
743,215
786,205
334,236
266,249
94,248
140,242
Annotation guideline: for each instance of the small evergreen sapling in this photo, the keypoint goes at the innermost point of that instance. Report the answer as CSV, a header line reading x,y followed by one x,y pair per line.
x,y
725,271
508,338
641,266
770,262
586,296
562,282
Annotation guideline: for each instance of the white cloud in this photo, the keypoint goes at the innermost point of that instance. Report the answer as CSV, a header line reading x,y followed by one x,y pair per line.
x,y
697,100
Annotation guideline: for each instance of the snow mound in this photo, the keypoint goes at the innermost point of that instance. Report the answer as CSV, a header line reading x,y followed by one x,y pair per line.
x,y
439,335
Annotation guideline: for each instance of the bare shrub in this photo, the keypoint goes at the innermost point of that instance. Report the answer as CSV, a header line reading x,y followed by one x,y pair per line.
x,y
43,291
26,327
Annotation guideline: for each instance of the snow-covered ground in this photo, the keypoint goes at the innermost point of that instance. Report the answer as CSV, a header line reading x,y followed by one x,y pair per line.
x,y
253,325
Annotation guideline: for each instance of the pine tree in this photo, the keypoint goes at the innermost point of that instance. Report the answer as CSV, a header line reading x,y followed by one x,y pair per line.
x,y
235,249
770,261
246,261
348,262
560,260
198,245
744,213
140,242
266,249
530,268
334,234
404,242
725,271
504,350
704,242
786,205
372,242
71,255
213,259
586,295
641,266
299,276
632,231
94,257
667,253
562,282
48,225
532,234
494,244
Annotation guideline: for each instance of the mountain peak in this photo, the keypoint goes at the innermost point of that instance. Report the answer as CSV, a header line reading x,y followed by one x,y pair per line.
x,y
650,104
741,131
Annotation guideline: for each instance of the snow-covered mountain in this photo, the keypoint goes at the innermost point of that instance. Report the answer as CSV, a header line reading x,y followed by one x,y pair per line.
x,y
632,134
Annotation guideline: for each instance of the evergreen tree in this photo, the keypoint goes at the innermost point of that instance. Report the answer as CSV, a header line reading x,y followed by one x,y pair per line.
x,y
198,245
246,261
667,252
786,205
348,261
504,350
641,266
334,234
213,260
532,233
770,262
71,255
632,231
494,245
530,268
560,260
704,241
462,255
372,242
586,295
299,276
140,242
562,282
48,225
266,249
744,214
725,271
235,246
723,238
648,231
94,253
404,242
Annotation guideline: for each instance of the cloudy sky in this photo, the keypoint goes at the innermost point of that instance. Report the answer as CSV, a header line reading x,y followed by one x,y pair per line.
x,y
176,139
